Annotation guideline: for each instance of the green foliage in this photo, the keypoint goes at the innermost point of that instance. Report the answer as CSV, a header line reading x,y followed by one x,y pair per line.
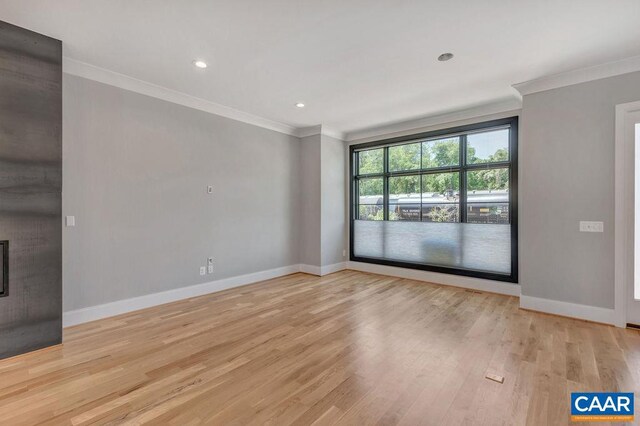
x,y
404,157
404,185
380,215
440,153
372,186
429,154
441,182
372,212
370,161
490,179
443,214
438,183
501,155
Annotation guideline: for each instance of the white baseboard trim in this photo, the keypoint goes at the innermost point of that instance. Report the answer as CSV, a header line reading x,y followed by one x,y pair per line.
x,y
567,309
311,269
437,278
92,313
118,307
336,267
323,270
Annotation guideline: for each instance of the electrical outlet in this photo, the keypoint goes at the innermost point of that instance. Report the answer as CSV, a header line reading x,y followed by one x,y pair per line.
x,y
203,270
591,226
211,269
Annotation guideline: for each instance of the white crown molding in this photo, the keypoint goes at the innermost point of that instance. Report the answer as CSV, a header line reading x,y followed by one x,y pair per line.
x,y
403,128
102,75
332,133
582,75
319,130
303,132
92,72
82,69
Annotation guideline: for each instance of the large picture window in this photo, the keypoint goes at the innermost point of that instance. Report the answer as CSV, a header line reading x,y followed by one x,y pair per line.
x,y
444,201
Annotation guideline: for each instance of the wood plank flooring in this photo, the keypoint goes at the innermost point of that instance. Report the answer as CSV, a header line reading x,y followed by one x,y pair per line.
x,y
347,348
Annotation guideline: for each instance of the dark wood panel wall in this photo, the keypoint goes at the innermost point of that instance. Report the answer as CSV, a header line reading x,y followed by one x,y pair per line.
x,y
30,189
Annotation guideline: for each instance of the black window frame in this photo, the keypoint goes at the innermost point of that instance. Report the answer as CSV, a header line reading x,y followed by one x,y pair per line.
x,y
462,167
4,285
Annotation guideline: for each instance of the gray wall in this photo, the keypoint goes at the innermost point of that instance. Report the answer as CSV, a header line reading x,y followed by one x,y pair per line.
x,y
567,175
333,208
30,187
310,206
135,175
323,226
136,171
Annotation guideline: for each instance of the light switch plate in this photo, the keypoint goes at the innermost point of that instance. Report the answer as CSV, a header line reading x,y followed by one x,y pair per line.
x,y
70,221
586,226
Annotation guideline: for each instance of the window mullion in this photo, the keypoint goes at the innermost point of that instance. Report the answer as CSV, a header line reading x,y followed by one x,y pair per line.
x,y
463,178
385,184
420,177
488,166
355,191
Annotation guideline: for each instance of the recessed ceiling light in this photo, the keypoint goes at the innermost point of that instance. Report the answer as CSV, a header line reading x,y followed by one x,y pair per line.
x,y
200,64
445,57
300,105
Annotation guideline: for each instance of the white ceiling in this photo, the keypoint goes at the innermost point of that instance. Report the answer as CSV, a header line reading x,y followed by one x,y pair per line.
x,y
355,63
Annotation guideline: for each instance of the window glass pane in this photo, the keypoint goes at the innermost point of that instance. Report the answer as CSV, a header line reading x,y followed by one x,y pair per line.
x,y
440,197
370,191
488,185
403,187
405,210
370,161
488,196
488,147
496,213
370,212
370,200
404,198
469,246
441,153
444,186
440,212
404,157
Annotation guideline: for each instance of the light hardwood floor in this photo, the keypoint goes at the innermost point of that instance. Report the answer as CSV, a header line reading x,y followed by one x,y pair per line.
x,y
348,348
